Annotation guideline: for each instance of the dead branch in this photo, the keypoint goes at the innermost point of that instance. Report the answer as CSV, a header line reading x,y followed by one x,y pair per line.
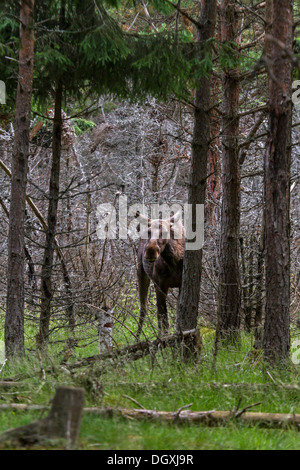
x,y
182,416
208,418
7,384
137,350
134,401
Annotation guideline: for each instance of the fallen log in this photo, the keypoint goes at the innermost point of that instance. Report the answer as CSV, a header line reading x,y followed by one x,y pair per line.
x,y
22,407
182,416
8,384
207,418
131,353
137,350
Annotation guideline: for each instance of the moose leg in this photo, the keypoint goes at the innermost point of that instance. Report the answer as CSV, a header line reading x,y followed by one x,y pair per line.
x,y
143,282
162,313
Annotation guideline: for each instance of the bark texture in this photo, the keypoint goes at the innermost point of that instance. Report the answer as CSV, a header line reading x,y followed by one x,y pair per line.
x,y
276,341
14,322
207,418
47,267
187,311
229,287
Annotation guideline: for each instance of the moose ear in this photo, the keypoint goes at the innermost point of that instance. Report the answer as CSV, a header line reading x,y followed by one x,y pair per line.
x,y
144,219
141,216
176,217
172,231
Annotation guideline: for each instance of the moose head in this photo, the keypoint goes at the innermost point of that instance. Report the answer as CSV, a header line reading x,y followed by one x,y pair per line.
x,y
160,260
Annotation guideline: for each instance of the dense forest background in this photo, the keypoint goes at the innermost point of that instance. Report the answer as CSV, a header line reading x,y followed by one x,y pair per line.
x,y
127,81
165,103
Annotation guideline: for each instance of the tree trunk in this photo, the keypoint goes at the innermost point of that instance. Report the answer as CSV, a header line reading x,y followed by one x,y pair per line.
x,y
63,421
14,322
229,287
187,312
246,308
259,288
259,311
276,342
47,267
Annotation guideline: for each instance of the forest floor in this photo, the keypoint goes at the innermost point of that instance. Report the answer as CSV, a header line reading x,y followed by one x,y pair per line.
x,y
236,380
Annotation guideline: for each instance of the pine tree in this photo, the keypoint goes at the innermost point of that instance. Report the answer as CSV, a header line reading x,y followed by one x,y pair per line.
x,y
276,341
187,312
14,322
229,316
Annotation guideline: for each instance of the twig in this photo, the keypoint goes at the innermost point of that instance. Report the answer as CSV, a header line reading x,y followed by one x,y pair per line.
x,y
148,16
240,412
177,413
134,401
254,13
186,15
5,361
235,409
134,20
269,375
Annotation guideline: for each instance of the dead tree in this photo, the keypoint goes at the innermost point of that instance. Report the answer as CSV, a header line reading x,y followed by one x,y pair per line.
x,y
46,285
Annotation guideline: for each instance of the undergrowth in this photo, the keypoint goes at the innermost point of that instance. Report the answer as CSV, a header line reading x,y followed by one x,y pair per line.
x,y
161,382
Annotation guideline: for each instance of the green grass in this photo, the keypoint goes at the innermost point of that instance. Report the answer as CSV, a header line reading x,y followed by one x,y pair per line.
x,y
117,435
162,383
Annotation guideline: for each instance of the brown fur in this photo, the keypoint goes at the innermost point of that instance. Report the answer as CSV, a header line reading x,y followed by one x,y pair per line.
x,y
160,260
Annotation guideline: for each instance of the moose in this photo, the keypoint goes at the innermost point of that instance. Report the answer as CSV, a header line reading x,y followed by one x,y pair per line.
x,y
160,260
